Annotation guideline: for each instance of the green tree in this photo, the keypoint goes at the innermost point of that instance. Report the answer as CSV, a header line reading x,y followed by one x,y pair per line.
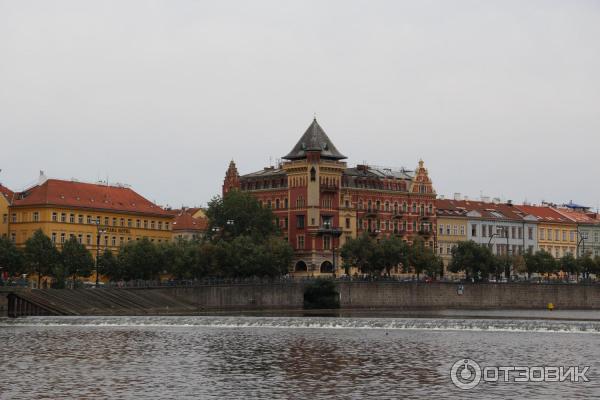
x,y
76,259
586,265
546,263
423,259
569,264
41,256
393,251
476,261
359,253
109,266
140,259
11,258
236,214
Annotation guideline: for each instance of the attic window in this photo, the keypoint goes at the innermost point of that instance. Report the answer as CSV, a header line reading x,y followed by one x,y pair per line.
x,y
325,146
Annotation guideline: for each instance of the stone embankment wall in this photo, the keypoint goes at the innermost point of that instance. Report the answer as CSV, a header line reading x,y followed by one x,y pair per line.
x,y
376,295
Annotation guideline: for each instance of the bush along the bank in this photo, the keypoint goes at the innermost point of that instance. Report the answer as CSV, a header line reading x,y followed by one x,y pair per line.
x,y
321,294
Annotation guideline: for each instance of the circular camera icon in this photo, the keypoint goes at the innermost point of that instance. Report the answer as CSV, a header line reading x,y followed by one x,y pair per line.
x,y
465,374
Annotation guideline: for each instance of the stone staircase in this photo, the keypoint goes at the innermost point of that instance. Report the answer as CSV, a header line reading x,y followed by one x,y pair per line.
x,y
98,302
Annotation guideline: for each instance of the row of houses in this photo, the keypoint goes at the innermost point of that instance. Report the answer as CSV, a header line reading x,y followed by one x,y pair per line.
x,y
319,203
513,229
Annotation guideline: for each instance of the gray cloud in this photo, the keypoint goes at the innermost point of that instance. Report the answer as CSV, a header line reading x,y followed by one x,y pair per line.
x,y
501,97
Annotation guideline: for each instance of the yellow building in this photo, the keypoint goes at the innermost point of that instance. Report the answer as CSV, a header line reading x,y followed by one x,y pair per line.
x,y
556,234
64,209
451,228
6,196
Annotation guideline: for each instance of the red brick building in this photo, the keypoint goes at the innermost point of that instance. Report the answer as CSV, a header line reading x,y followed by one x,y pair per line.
x,y
319,202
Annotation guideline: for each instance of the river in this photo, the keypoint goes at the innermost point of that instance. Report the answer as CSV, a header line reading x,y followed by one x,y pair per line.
x,y
393,355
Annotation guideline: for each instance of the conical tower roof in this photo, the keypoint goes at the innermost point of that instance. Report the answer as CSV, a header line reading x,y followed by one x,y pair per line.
x,y
315,139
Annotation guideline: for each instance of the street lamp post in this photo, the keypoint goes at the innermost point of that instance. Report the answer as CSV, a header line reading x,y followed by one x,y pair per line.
x,y
99,233
499,231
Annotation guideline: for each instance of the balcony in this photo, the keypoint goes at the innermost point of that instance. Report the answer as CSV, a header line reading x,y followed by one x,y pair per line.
x,y
398,214
425,233
371,212
329,230
328,188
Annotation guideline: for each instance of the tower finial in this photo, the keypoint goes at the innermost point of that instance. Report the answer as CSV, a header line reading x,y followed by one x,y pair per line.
x,y
314,116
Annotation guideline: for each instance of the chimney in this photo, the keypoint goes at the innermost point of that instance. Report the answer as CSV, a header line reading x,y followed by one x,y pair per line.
x,y
42,178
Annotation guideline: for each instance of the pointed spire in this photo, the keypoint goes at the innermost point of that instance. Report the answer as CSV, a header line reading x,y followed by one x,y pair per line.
x,y
315,139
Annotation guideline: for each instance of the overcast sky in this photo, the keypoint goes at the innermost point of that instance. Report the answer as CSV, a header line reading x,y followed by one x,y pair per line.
x,y
500,98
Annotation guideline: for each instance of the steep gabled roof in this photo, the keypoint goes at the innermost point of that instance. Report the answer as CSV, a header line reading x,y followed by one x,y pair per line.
x,y
544,214
87,195
185,221
6,192
480,210
315,139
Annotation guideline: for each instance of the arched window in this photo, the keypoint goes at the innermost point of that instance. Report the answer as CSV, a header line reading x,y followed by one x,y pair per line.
x,y
300,266
313,174
326,267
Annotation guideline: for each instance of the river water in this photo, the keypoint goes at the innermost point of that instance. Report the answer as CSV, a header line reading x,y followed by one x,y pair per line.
x,y
297,357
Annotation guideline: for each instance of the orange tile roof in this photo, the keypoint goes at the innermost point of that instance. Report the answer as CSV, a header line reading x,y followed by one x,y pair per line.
x,y
185,222
6,192
579,217
544,214
449,207
87,195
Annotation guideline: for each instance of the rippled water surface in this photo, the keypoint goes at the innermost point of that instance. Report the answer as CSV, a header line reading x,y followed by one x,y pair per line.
x,y
232,357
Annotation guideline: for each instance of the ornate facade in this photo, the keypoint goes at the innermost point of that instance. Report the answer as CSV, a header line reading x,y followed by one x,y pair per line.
x,y
319,202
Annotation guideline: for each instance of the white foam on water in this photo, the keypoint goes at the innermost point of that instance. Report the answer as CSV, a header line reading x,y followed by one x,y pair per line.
x,y
220,322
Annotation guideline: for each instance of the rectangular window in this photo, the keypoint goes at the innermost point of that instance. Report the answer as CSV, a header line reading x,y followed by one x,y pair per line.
x,y
572,236
473,230
160,225
53,237
114,241
542,234
166,226
129,223
564,236
54,218
88,239
145,224
513,232
301,241
462,230
89,219
36,216
483,230
326,242
152,224
455,230
63,217
138,223
347,223
122,221
72,218
300,222
80,238
530,233
114,220
4,218
62,237
441,227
